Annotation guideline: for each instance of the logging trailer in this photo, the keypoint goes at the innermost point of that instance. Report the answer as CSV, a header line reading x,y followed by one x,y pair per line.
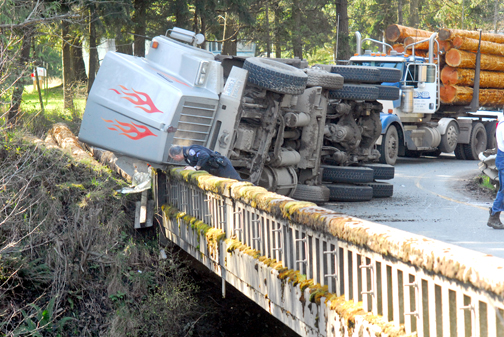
x,y
297,131
414,119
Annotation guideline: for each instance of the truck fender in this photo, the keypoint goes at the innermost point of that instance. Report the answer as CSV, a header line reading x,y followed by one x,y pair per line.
x,y
443,124
386,121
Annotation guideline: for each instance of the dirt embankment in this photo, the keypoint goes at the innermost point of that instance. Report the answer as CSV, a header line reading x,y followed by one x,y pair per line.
x,y
72,265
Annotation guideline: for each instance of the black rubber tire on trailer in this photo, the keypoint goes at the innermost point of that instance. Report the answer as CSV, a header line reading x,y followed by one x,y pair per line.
x,y
388,93
490,128
450,138
389,148
356,92
316,194
275,76
347,174
357,73
381,171
321,78
348,192
381,189
477,142
459,152
390,75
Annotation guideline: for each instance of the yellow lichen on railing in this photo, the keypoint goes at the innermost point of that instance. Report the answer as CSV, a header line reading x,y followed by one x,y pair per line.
x,y
418,251
213,235
346,309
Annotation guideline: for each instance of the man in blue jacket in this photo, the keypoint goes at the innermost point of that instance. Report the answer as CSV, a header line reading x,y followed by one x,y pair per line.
x,y
200,158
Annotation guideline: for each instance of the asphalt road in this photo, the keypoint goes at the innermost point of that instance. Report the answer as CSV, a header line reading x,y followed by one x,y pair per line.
x,y
431,198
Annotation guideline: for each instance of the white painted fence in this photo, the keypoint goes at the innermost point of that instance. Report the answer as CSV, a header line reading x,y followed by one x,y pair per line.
x,y
372,273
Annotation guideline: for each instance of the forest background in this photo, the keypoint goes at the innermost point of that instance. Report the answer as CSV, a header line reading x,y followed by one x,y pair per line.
x,y
54,33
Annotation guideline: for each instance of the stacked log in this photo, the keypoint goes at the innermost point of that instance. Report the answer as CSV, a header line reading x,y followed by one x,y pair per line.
x,y
397,33
458,75
401,37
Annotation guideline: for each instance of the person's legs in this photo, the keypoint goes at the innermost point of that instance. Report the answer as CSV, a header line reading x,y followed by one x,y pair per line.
x,y
228,171
498,204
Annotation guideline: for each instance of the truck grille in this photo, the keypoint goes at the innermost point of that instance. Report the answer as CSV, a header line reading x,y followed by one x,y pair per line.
x,y
194,124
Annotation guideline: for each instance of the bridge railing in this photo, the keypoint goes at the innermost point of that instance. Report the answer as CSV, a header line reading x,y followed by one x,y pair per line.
x,y
421,285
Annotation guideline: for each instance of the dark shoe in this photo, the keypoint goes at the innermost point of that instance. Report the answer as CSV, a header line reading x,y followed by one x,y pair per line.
x,y
494,221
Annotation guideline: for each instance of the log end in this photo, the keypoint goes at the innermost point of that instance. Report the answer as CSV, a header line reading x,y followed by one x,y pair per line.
x,y
449,76
398,47
392,33
444,34
444,46
448,94
453,58
457,42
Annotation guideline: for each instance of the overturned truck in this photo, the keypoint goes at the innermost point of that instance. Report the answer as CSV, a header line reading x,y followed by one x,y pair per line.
x,y
308,133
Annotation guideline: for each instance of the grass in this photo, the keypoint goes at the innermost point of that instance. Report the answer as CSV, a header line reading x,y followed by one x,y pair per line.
x,y
71,263
52,97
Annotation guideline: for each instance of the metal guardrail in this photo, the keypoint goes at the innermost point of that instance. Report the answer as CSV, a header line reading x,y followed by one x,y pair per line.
x,y
426,286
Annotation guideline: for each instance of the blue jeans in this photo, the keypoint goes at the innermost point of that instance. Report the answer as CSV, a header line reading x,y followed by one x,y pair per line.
x,y
498,205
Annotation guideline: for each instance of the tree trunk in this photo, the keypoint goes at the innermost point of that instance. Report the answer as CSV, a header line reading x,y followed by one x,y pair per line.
x,y
421,46
17,94
266,25
463,59
67,64
229,44
413,19
397,33
93,51
469,44
278,45
496,15
344,51
78,67
399,12
297,44
140,7
457,95
465,77
450,34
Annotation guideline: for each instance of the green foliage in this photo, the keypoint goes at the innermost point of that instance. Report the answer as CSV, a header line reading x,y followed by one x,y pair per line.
x,y
41,321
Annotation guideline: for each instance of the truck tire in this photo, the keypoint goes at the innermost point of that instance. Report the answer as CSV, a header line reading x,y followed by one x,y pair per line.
x,y
321,78
490,128
275,76
380,189
388,93
450,138
347,192
357,73
347,174
356,92
316,194
477,142
390,75
324,67
389,148
459,152
381,171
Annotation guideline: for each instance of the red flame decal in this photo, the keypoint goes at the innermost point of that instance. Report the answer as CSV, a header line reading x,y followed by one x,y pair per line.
x,y
130,129
135,97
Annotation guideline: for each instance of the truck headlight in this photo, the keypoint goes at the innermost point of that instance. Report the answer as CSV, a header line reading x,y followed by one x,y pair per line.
x,y
202,73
